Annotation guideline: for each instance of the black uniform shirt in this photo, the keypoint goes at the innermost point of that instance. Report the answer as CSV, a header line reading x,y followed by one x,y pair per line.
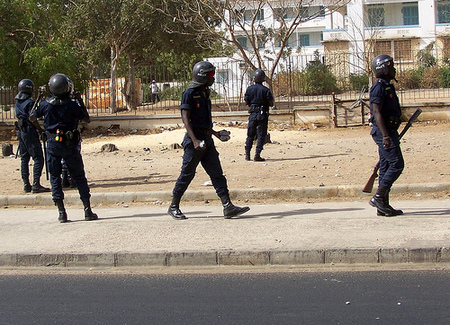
x,y
383,93
64,117
23,108
258,94
194,99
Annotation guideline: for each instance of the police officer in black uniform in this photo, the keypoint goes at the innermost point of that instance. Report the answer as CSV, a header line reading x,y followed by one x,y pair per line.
x,y
61,116
258,97
386,112
198,143
28,135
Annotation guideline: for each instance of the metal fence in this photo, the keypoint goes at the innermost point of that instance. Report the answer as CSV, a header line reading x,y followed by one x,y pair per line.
x,y
298,80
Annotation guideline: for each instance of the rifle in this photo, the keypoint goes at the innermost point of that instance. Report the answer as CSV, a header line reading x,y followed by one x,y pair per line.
x,y
44,144
41,94
369,184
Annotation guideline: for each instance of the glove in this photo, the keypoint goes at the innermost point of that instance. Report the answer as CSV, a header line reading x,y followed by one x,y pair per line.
x,y
224,135
43,136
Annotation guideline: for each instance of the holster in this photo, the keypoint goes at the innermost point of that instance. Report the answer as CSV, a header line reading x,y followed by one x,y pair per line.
x,y
393,123
255,108
22,124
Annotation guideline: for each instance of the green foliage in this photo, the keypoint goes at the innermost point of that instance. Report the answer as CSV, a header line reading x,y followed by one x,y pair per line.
x,y
426,57
358,81
411,79
318,79
56,57
444,77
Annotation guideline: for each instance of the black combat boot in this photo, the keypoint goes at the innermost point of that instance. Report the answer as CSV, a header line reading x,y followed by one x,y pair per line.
x,y
230,210
38,188
247,155
62,211
26,186
88,214
258,157
395,212
174,209
379,201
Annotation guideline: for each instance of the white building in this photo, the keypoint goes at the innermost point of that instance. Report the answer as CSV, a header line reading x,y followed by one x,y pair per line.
x,y
358,30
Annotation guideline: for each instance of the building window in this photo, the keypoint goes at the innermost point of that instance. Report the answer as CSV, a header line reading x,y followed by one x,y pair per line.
x,y
382,47
292,41
303,40
410,13
250,14
443,12
376,15
261,43
284,13
242,41
222,77
402,50
398,49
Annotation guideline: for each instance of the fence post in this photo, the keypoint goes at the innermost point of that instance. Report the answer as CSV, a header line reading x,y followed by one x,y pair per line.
x,y
334,117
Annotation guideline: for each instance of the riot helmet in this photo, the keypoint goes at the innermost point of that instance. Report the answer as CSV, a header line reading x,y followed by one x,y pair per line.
x,y
383,66
25,87
259,76
60,85
203,73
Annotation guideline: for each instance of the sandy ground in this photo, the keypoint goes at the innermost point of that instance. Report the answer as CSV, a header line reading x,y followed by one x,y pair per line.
x,y
296,158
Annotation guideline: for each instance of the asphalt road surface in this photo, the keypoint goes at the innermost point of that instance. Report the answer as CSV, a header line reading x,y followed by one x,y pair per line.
x,y
369,297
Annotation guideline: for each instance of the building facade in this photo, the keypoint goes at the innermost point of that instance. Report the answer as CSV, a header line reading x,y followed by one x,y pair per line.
x,y
347,35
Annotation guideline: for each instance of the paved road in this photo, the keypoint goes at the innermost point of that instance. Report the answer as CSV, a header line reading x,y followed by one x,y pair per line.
x,y
347,232
400,297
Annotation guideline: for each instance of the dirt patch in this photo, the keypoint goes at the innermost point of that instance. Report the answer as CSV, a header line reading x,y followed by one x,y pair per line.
x,y
148,160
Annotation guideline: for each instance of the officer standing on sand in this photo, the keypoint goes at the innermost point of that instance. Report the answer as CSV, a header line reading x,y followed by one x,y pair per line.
x,y
258,97
198,143
386,113
61,116
29,143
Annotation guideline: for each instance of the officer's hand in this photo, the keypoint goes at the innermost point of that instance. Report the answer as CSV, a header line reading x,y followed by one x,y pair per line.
x,y
386,142
199,144
76,95
43,136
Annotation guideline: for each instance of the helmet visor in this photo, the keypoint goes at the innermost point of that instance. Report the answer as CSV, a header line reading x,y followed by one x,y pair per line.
x,y
211,74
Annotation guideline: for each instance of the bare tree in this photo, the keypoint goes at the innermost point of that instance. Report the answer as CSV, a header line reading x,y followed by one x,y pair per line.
x,y
231,21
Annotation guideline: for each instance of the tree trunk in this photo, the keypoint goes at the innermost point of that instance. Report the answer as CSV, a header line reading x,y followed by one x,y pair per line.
x,y
112,84
131,89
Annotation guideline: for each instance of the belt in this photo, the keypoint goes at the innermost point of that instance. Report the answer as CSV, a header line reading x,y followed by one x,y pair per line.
x,y
206,132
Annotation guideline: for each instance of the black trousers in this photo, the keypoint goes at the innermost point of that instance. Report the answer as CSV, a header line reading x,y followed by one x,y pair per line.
x,y
209,158
30,147
391,160
72,157
257,125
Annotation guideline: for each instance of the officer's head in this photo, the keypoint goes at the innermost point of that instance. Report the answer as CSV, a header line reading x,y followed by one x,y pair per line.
x,y
383,67
60,85
259,76
25,87
203,73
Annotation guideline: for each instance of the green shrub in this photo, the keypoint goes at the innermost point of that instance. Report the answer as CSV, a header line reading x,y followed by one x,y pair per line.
x,y
358,81
411,79
444,77
318,79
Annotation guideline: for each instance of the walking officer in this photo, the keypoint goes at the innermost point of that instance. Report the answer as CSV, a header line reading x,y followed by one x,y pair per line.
x,y
198,143
258,97
28,135
386,113
61,116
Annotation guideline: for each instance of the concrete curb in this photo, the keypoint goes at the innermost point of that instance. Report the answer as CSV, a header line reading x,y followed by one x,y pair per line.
x,y
209,194
232,258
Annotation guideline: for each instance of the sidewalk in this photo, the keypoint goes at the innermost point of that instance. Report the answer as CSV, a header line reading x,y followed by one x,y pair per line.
x,y
269,234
